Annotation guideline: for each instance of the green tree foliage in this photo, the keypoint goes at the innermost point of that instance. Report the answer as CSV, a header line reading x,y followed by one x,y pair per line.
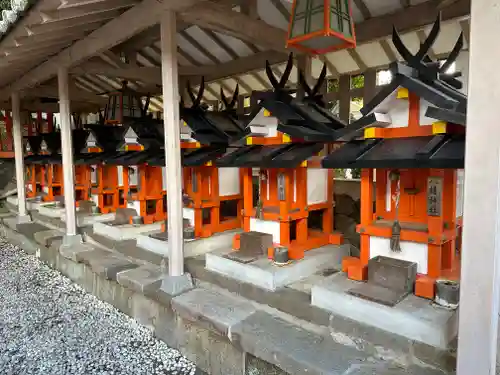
x,y
5,5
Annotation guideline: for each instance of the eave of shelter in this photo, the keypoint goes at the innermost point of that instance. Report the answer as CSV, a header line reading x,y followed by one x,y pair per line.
x,y
211,41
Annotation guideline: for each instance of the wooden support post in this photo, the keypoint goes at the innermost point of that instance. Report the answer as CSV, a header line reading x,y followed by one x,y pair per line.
x,y
171,120
67,152
344,98
370,85
304,66
19,156
480,273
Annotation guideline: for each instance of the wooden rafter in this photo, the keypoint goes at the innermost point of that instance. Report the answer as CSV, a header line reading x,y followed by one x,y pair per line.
x,y
282,9
388,50
357,59
199,47
363,9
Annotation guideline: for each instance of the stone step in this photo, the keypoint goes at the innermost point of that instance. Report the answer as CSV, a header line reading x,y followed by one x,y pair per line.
x,y
105,263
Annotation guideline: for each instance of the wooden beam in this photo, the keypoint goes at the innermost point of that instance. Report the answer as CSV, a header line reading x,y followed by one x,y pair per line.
x,y
77,95
66,11
243,85
344,96
145,74
370,85
446,3
331,68
245,64
282,9
199,47
363,9
357,59
131,22
388,50
218,40
465,25
261,80
412,18
223,19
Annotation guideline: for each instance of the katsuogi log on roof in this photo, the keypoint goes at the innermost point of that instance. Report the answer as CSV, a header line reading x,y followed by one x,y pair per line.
x,y
212,127
427,79
304,118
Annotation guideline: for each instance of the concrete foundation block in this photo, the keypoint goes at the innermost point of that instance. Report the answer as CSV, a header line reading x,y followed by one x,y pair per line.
x,y
74,252
144,311
85,219
414,318
50,210
124,232
265,274
45,238
106,264
157,243
143,279
10,222
72,239
175,285
212,310
24,219
292,348
212,353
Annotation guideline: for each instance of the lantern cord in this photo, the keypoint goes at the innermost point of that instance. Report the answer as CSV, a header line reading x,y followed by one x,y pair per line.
x,y
395,243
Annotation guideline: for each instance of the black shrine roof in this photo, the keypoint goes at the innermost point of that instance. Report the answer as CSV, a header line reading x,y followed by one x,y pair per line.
x,y
149,131
277,156
34,142
210,127
108,137
202,156
213,127
53,142
439,151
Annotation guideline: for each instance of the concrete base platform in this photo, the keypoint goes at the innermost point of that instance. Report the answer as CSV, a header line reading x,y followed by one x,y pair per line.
x,y
124,232
263,273
144,279
73,252
31,203
192,248
84,219
50,210
414,318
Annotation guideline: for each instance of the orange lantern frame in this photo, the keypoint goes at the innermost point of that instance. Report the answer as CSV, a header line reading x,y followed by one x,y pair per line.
x,y
326,31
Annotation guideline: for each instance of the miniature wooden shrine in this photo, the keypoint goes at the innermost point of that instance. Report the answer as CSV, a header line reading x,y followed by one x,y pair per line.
x,y
111,181
412,212
213,196
288,137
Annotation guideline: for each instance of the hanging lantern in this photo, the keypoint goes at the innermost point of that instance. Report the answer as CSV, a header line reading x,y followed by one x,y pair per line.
x,y
321,26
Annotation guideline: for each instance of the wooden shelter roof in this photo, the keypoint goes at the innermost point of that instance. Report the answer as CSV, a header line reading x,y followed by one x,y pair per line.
x,y
103,42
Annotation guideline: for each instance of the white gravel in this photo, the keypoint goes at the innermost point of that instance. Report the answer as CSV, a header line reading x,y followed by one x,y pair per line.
x,y
48,325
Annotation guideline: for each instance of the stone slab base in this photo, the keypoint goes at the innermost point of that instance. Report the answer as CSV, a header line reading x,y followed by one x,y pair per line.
x,y
265,274
192,248
89,219
414,318
50,211
124,232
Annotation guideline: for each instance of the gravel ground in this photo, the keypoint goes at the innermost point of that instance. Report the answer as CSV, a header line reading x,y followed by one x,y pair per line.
x,y
48,325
